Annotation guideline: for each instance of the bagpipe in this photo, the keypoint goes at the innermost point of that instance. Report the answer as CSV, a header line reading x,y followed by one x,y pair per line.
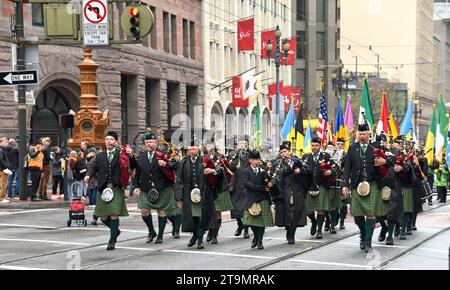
x,y
168,173
326,165
212,179
378,153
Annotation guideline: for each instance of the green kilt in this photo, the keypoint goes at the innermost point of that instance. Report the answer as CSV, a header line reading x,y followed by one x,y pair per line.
x,y
165,202
320,202
370,205
346,201
223,201
176,211
196,209
335,201
408,204
264,219
116,206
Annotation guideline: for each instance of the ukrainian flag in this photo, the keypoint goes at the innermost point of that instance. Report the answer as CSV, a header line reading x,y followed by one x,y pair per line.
x,y
308,138
340,130
407,125
288,130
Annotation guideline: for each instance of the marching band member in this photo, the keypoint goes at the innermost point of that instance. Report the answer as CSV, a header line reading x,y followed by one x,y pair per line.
x,y
288,178
154,186
339,158
238,163
318,197
195,195
108,172
257,213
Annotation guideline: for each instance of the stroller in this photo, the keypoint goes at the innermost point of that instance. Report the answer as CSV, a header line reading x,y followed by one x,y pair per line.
x,y
76,207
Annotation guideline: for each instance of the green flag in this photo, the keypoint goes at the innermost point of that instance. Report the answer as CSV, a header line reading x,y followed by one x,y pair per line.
x,y
429,145
258,131
365,106
441,130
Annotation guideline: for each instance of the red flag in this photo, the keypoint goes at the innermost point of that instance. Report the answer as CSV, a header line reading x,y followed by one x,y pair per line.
x,y
265,36
238,98
383,124
273,93
296,92
246,31
286,92
291,54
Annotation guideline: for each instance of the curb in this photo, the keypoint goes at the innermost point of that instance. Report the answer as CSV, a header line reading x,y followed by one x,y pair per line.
x,y
45,204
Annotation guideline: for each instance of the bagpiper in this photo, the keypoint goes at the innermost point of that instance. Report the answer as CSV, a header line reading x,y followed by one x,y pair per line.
x,y
360,175
112,176
222,179
238,161
257,213
339,158
288,179
195,196
155,177
322,173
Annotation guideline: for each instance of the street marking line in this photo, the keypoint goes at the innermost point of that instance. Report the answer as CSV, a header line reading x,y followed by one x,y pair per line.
x,y
374,245
329,263
7,267
29,211
433,250
218,254
132,248
27,226
44,241
273,238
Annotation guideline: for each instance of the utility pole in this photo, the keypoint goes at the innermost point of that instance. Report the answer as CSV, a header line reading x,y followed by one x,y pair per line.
x,y
22,107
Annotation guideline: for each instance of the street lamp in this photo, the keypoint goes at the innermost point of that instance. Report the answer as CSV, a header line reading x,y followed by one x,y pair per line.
x,y
338,79
280,51
417,112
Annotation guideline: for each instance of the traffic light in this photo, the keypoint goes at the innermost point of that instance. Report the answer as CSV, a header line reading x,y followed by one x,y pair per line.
x,y
134,21
137,21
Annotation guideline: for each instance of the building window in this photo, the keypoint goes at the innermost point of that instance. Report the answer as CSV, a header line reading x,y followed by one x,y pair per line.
x,y
37,14
212,56
153,36
301,44
173,28
301,10
124,107
320,11
320,46
152,103
264,5
192,38
185,38
338,36
166,31
274,8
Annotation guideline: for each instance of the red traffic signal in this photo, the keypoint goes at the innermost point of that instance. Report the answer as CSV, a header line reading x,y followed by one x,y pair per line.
x,y
134,11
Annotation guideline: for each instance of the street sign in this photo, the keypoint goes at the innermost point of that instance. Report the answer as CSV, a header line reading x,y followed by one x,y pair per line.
x,y
29,97
22,77
95,23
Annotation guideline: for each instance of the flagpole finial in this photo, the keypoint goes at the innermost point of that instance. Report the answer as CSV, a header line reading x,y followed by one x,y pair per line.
x,y
322,84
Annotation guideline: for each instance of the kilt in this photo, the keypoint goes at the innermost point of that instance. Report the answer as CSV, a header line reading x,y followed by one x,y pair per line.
x,y
336,201
196,209
320,202
408,205
166,201
175,211
346,201
370,205
223,201
116,206
264,219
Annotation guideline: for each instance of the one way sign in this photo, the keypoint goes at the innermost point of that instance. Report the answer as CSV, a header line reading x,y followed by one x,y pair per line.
x,y
23,77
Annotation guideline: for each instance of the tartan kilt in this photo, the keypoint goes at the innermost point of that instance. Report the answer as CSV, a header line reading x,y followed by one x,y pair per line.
x,y
116,206
320,202
408,205
223,201
371,205
264,219
175,211
165,202
336,201
346,201
196,209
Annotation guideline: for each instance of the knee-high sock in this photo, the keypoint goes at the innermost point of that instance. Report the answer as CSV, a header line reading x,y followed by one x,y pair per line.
x,y
149,222
114,228
327,217
361,223
333,218
391,226
107,222
161,225
413,219
239,222
178,221
403,223
320,219
381,220
172,220
196,221
219,223
260,234
312,218
370,225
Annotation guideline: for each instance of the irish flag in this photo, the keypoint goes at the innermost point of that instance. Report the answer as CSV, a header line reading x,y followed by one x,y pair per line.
x,y
441,130
365,106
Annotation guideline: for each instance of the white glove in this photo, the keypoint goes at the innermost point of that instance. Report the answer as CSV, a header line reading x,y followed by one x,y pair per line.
x,y
7,171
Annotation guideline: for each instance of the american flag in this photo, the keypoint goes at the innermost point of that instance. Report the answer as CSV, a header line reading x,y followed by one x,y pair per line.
x,y
323,119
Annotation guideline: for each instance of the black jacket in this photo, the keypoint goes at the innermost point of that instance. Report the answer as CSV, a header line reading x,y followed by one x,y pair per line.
x,y
354,166
312,170
13,157
255,187
4,162
147,172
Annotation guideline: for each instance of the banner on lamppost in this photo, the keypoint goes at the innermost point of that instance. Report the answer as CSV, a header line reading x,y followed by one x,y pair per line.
x,y
265,36
246,34
291,53
272,88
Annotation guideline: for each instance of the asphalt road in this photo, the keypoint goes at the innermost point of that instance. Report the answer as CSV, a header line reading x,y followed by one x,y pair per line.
x,y
40,239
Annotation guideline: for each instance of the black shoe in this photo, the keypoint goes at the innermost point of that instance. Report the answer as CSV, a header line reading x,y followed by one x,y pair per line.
x,y
239,231
246,235
214,241
333,230
111,245
402,236
368,248
414,228
291,241
176,235
260,246
327,226
159,239
319,235
254,243
408,232
382,235
200,245
150,238
313,228
94,223
192,241
209,236
389,241
35,199
341,225
362,244
430,203
173,231
396,232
